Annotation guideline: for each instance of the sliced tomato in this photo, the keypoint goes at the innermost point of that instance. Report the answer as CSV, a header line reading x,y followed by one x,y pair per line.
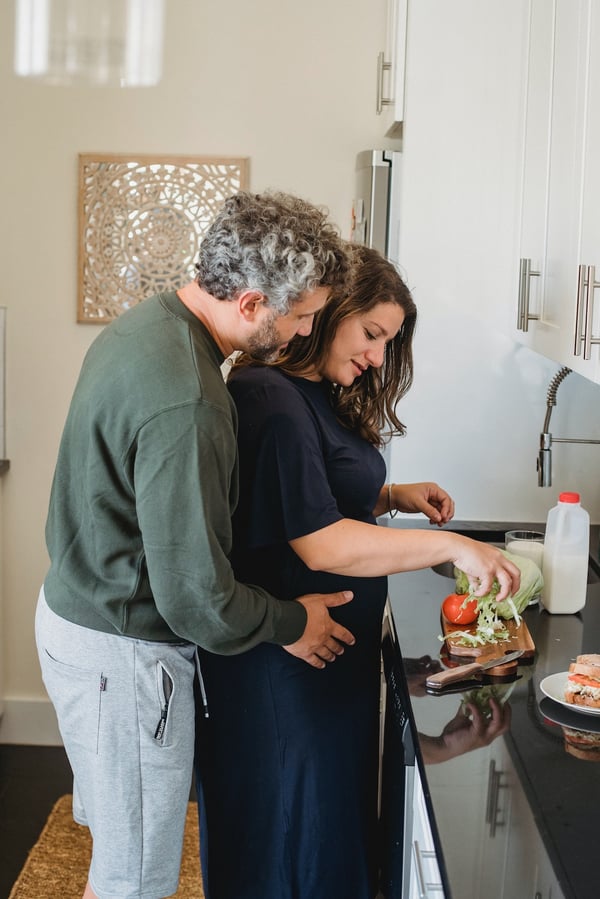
x,y
585,681
459,609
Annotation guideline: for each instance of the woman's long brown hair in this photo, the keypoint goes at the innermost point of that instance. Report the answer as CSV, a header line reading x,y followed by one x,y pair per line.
x,y
369,404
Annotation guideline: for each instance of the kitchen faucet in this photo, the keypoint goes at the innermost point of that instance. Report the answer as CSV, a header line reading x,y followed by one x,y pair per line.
x,y
544,460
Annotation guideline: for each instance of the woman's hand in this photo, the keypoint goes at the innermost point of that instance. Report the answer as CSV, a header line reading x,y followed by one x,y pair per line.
x,y
427,497
484,563
466,732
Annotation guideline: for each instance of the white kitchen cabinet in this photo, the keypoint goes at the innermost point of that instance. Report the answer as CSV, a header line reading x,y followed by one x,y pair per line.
x,y
528,872
496,824
514,861
558,306
497,852
589,242
546,886
462,156
501,169
391,69
424,880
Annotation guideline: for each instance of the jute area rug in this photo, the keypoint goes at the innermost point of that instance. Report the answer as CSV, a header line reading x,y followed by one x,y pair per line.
x,y
57,866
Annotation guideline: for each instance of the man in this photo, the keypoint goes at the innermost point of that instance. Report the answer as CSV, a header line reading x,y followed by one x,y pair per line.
x,y
139,533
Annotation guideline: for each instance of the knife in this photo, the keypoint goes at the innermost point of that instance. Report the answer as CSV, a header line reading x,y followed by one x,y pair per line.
x,y
473,669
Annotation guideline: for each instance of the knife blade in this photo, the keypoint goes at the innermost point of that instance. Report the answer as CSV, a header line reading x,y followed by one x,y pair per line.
x,y
473,669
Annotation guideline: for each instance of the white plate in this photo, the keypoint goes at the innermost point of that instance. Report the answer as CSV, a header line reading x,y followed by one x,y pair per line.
x,y
568,717
553,686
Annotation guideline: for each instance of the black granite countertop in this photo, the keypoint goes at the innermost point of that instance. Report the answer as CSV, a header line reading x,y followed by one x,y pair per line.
x,y
563,792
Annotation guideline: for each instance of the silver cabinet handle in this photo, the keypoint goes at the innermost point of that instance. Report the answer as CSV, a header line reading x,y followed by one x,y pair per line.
x,y
494,787
382,66
523,314
579,307
589,312
584,311
423,886
490,791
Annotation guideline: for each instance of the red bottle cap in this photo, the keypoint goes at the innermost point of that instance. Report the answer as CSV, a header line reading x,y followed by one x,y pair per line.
x,y
569,498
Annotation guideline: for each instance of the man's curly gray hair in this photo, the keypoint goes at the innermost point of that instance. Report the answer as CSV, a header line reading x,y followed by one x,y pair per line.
x,y
273,242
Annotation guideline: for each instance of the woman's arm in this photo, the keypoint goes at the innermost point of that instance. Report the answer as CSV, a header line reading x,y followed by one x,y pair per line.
x,y
358,549
465,733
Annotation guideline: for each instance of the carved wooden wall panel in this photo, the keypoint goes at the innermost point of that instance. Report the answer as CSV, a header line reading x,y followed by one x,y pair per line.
x,y
141,220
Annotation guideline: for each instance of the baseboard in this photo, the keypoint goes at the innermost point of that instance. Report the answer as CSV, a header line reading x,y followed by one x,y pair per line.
x,y
29,722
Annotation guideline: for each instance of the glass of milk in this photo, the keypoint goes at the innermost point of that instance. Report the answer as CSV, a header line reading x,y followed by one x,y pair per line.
x,y
529,544
526,543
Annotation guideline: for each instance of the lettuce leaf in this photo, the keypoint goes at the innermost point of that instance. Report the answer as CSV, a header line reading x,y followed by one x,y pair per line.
x,y
531,585
480,697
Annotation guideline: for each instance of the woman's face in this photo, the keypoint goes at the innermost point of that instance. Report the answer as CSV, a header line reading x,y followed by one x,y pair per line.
x,y
360,342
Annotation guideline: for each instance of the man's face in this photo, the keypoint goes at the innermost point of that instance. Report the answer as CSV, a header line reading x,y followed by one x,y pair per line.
x,y
274,332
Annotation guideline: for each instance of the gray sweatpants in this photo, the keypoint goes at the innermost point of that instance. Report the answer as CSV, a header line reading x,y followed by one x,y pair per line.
x,y
125,710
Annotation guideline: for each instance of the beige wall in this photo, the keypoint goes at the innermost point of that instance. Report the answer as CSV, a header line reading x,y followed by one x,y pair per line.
x,y
289,85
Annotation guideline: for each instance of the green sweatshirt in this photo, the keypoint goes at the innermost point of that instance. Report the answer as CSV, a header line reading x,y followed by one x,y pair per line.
x,y
139,524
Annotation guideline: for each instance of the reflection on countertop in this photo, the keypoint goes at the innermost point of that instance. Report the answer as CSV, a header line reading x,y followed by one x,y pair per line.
x,y
561,793
4,466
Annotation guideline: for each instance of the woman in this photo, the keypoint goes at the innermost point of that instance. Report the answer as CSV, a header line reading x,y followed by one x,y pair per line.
x,y
287,761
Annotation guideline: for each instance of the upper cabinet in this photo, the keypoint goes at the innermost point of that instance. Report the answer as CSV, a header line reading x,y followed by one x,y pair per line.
x,y
500,209
558,293
389,101
461,158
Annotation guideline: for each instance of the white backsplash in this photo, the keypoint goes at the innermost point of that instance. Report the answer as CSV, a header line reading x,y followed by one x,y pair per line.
x,y
474,415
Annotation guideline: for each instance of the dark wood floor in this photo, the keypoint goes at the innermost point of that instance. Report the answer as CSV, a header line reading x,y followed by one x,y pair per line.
x,y
32,778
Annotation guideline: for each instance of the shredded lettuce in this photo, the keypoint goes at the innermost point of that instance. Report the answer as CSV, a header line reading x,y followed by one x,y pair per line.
x,y
481,696
489,627
516,615
531,585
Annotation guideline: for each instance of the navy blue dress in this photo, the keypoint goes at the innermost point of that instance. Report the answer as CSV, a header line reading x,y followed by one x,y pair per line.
x,y
287,761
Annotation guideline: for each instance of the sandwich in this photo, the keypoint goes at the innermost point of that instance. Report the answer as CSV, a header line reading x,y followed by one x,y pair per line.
x,y
582,744
583,681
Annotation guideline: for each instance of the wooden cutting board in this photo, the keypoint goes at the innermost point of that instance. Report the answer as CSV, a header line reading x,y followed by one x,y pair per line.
x,y
518,638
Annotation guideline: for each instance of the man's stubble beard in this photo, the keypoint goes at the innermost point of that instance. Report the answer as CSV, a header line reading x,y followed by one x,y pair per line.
x,y
265,344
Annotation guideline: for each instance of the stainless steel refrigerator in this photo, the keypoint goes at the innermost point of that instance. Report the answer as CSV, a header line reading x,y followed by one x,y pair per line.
x,y
376,205
376,210
376,223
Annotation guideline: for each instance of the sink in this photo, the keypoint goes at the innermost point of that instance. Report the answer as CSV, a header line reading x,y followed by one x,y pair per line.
x,y
496,538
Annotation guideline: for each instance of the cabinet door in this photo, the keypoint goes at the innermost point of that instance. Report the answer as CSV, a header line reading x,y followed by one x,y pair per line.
x,y
495,828
522,837
425,877
391,69
462,155
588,260
462,790
514,859
529,871
536,170
560,237
547,886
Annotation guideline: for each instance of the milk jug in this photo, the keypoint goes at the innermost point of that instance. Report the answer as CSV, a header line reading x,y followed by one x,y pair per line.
x,y
566,552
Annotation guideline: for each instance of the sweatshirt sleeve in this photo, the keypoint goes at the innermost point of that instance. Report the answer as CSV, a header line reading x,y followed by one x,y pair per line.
x,y
185,499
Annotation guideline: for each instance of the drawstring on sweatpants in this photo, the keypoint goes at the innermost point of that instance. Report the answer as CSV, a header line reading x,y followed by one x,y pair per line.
x,y
201,682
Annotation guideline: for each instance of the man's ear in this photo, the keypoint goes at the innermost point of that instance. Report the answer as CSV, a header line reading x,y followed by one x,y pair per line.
x,y
251,303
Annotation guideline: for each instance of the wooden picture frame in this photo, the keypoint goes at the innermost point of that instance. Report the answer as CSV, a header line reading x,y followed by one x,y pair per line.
x,y
141,220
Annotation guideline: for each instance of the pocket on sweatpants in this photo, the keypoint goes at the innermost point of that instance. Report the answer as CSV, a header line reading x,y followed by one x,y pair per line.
x,y
76,694
165,688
